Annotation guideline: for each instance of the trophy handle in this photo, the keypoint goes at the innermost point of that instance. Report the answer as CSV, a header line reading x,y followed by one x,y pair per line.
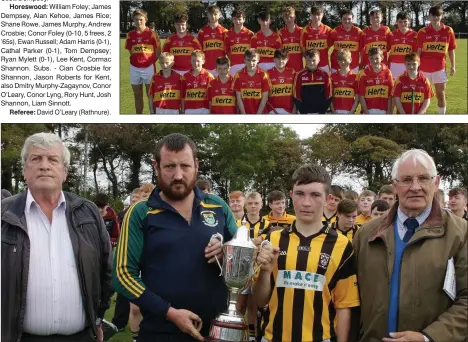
x,y
264,242
219,237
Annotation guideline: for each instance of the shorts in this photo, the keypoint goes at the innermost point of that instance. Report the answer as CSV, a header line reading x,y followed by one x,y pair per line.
x,y
197,111
436,77
377,111
166,111
213,72
325,68
355,70
279,111
397,69
266,66
141,75
235,68
181,72
341,111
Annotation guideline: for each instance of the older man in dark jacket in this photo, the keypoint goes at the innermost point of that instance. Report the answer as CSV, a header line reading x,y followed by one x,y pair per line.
x,y
412,263
56,254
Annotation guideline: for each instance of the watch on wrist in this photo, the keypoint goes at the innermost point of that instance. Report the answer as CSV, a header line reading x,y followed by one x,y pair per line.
x,y
426,339
98,321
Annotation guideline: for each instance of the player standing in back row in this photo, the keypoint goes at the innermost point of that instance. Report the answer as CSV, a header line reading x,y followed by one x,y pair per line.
x,y
434,42
265,42
376,35
291,39
237,41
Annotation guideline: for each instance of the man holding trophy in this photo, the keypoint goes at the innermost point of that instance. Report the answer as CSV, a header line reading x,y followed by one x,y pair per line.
x,y
170,248
308,273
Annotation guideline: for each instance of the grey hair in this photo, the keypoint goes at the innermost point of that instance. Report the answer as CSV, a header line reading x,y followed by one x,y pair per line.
x,y
416,155
44,140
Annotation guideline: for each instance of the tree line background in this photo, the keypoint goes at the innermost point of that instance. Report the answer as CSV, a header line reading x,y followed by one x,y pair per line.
x,y
162,12
117,158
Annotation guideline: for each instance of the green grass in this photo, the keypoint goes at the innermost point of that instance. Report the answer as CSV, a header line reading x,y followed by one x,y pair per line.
x,y
456,92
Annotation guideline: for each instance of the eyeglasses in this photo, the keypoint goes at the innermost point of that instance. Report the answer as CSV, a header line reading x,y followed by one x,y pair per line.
x,y
408,181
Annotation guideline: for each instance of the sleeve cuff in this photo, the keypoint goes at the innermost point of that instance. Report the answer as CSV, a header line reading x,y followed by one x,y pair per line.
x,y
153,303
426,337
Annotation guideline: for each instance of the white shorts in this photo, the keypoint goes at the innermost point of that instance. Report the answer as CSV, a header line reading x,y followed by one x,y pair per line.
x,y
213,72
341,111
325,68
197,111
279,111
166,111
436,77
266,66
180,72
355,70
141,75
377,111
397,69
235,68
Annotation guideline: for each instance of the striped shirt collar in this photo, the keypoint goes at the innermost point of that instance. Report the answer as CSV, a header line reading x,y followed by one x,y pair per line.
x,y
421,218
30,200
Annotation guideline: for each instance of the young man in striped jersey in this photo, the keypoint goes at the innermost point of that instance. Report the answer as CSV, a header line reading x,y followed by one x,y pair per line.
x,y
333,199
308,273
278,217
366,198
346,219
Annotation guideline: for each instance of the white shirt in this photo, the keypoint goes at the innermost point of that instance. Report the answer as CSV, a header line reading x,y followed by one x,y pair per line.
x,y
401,218
54,304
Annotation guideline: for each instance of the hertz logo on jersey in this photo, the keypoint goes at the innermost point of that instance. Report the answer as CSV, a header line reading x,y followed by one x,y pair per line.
x,y
145,48
293,47
406,97
167,94
351,46
266,51
213,45
381,45
251,94
401,49
435,47
281,90
377,91
195,94
182,51
317,44
344,92
227,101
239,48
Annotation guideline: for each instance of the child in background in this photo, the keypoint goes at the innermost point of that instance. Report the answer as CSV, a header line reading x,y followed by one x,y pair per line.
x,y
345,86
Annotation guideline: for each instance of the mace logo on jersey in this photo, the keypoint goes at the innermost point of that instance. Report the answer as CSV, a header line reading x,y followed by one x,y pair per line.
x,y
300,280
209,218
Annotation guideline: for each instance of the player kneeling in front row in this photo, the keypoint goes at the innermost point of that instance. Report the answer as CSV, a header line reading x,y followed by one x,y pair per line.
x,y
345,85
221,96
251,85
165,88
280,100
375,85
312,87
413,92
308,273
195,85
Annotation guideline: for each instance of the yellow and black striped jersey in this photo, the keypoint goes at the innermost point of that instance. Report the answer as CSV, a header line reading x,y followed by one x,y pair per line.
x,y
314,276
261,227
278,224
349,233
331,219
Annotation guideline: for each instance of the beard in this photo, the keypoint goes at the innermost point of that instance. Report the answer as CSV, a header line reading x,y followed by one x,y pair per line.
x,y
179,194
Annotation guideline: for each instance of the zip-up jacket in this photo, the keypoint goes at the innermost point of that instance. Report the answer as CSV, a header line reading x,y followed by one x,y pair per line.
x,y
170,254
92,249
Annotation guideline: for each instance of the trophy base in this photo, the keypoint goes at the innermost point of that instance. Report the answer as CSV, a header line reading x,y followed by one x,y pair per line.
x,y
227,332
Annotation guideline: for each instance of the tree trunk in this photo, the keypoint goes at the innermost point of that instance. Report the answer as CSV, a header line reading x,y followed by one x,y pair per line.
x,y
135,165
7,176
96,186
111,176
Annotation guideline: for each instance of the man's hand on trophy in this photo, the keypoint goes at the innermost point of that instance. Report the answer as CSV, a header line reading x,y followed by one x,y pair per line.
x,y
186,321
214,248
267,257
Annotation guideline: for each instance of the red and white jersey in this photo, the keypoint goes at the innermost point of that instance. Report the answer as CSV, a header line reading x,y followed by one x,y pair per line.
x,y
407,88
266,45
376,88
371,38
345,89
251,88
182,49
222,96
317,39
194,89
166,92
434,46
212,42
281,88
342,39
142,47
401,44
237,43
291,41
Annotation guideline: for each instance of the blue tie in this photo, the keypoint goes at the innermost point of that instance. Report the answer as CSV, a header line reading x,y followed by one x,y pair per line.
x,y
411,224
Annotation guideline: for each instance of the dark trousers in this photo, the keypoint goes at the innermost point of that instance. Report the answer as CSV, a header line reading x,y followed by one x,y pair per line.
x,y
161,337
122,312
83,336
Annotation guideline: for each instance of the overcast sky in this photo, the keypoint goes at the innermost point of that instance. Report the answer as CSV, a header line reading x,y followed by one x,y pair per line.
x,y
305,130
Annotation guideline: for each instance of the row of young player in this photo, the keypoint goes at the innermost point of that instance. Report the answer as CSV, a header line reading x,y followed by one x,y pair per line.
x,y
281,90
432,43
